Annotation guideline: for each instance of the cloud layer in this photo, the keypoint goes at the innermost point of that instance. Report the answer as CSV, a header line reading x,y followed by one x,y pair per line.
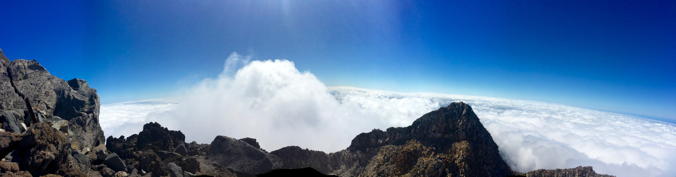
x,y
277,104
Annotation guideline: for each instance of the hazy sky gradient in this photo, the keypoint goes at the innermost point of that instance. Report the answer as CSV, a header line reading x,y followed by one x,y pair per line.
x,y
611,55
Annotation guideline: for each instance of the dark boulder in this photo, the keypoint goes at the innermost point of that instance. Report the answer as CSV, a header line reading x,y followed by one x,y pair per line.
x,y
251,141
155,136
240,156
8,142
181,149
190,164
296,157
44,150
113,161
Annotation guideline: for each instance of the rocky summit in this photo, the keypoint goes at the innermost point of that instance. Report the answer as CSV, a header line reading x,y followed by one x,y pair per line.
x,y
50,127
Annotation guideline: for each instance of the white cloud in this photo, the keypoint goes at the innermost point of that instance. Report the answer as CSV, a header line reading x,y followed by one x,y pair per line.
x,y
127,118
277,104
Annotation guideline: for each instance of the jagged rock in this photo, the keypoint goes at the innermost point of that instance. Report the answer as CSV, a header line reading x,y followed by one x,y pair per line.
x,y
197,149
105,171
8,166
251,141
113,161
44,150
81,161
122,146
175,170
13,108
8,142
570,172
181,149
49,126
453,133
149,161
240,156
157,137
190,164
296,157
30,94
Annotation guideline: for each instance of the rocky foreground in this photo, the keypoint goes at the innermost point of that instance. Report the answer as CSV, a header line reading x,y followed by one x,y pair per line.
x,y
50,127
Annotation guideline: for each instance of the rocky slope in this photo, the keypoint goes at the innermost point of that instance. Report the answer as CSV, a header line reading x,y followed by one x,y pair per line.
x,y
571,172
50,127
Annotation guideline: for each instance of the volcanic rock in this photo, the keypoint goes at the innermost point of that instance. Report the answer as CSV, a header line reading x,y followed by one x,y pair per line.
x,y
296,157
447,142
115,162
50,127
241,156
155,136
30,94
570,172
251,141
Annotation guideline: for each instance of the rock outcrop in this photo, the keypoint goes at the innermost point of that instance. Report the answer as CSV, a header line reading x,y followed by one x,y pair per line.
x,y
30,94
50,127
448,142
47,125
571,172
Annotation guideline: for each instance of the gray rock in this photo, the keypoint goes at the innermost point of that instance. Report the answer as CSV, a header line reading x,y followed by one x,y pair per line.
x,y
251,141
190,164
181,149
44,150
175,170
30,94
115,162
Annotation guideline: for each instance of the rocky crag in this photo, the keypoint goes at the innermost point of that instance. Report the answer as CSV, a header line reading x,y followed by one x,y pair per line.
x,y
50,127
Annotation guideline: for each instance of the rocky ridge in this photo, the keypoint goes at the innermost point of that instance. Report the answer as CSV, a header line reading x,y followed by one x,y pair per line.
x,y
50,127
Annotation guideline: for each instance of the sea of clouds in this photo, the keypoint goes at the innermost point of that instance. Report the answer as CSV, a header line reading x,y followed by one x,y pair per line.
x,y
279,105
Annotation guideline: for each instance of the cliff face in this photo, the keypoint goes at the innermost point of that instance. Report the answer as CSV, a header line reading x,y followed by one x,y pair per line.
x,y
47,125
449,142
50,126
30,94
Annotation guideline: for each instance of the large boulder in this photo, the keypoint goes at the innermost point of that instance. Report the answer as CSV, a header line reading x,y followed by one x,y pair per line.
x,y
8,142
154,136
45,150
241,156
293,157
31,94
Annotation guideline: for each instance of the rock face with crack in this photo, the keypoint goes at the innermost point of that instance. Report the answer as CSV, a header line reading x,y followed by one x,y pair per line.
x,y
30,94
50,127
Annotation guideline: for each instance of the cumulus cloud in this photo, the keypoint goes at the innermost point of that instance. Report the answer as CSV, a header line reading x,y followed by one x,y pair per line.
x,y
276,103
269,100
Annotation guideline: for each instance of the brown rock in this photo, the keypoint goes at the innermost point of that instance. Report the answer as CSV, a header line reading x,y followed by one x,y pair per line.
x,y
9,166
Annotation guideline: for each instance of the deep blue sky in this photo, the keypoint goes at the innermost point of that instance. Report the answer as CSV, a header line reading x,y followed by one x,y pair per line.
x,y
612,55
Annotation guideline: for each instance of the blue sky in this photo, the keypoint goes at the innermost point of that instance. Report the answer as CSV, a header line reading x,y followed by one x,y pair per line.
x,y
611,55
